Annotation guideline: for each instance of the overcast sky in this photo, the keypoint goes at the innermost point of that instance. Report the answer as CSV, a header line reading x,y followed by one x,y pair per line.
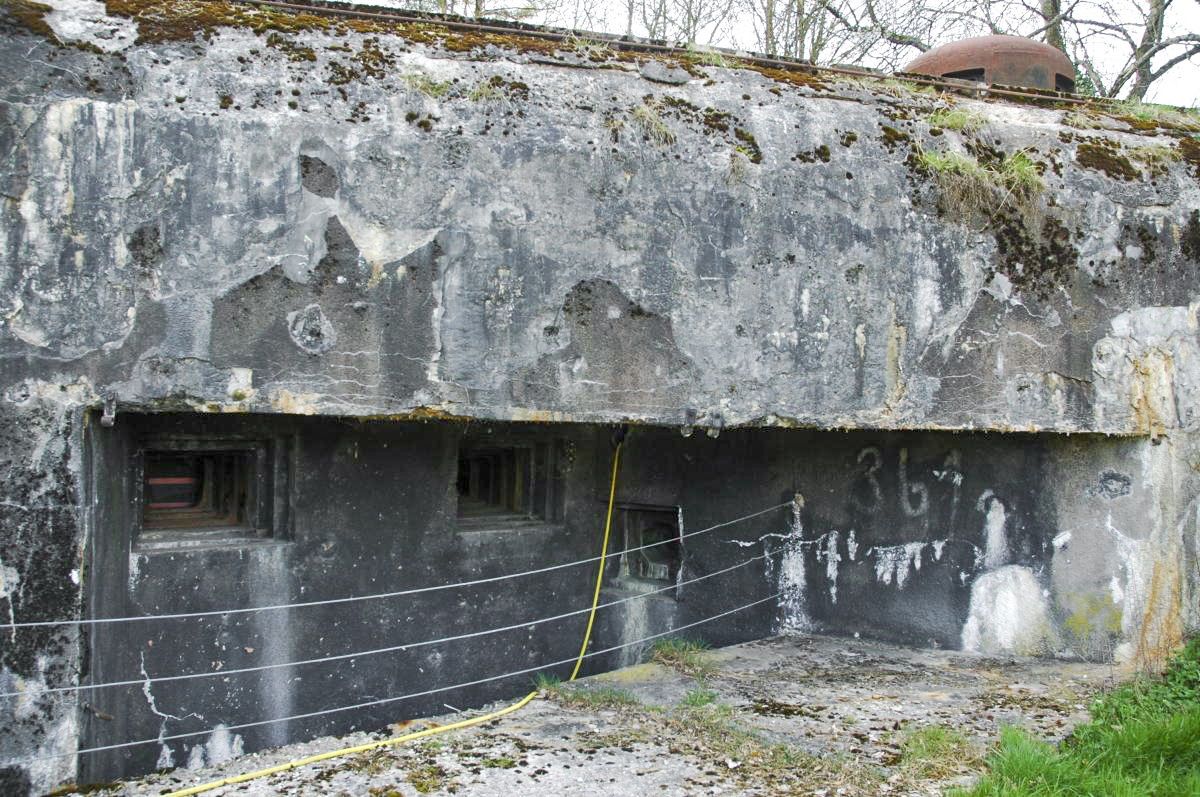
x,y
1180,87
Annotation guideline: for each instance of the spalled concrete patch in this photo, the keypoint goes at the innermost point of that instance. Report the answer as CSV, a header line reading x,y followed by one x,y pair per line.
x,y
789,715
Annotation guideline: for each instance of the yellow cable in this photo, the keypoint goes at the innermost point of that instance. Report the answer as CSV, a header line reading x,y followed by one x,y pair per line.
x,y
362,748
612,492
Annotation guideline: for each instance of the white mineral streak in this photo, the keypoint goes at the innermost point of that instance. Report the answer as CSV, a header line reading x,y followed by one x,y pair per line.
x,y
636,626
380,245
221,746
87,21
53,757
196,758
793,602
995,552
241,384
1008,614
1128,586
1145,370
831,557
851,546
135,568
894,561
926,303
10,582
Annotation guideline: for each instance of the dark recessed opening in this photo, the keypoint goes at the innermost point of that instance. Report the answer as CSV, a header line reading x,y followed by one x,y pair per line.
x,y
974,75
505,482
1064,83
494,482
653,543
196,490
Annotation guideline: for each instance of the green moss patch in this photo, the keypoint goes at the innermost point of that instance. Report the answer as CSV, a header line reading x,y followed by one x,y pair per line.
x,y
27,15
1189,151
1107,158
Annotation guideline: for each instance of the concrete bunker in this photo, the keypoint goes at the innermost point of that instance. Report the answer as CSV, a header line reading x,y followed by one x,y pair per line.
x,y
363,523
307,400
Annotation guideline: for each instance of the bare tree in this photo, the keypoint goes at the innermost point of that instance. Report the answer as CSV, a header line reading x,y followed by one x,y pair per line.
x,y
534,10
1121,46
1152,40
687,22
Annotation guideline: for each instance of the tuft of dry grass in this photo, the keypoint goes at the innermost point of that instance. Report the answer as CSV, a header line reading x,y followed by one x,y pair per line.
x,y
687,656
651,123
974,192
962,120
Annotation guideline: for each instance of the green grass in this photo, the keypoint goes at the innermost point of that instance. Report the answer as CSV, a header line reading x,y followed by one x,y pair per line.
x,y
430,777
1154,154
484,91
605,697
714,732
968,190
1160,115
1017,172
1021,174
715,727
547,683
707,57
699,697
1143,739
963,120
424,84
973,191
688,656
652,125
893,87
1084,119
943,163
587,697
589,48
937,752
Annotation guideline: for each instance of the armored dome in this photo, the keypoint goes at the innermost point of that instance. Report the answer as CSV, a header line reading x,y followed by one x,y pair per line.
x,y
1006,60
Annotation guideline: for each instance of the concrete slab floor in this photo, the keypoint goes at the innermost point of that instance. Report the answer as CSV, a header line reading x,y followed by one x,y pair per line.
x,y
807,715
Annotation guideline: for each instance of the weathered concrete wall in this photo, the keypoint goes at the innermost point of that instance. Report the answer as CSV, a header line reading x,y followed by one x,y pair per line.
x,y
42,518
372,509
744,248
362,224
922,538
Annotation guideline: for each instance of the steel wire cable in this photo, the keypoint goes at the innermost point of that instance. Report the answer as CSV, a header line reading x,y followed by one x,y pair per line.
x,y
380,595
382,701
391,649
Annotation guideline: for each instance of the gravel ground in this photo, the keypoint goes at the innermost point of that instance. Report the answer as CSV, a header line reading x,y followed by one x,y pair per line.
x,y
804,715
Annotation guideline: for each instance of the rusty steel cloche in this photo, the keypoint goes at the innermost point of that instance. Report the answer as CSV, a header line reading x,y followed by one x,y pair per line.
x,y
1004,60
